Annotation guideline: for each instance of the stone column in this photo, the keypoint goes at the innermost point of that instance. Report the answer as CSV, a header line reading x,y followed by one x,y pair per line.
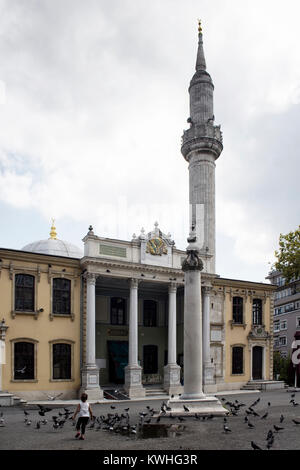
x,y
193,400
133,372
208,367
90,371
172,370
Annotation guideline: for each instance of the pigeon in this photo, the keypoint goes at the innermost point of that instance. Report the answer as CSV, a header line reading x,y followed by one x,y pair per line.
x,y
181,419
186,408
127,409
269,404
295,404
28,422
113,407
1,419
264,416
56,425
277,428
255,446
226,429
38,425
53,397
26,413
295,421
270,434
281,418
270,442
246,419
250,425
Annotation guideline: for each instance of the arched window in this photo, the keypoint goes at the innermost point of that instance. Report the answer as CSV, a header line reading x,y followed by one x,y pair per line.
x,y
61,360
237,360
61,296
257,312
150,313
150,360
117,311
24,292
24,360
237,310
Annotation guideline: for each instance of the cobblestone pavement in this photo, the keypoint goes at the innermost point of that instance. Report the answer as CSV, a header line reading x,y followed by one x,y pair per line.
x,y
197,434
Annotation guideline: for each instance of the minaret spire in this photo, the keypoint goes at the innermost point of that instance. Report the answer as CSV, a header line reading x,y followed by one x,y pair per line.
x,y
200,63
201,146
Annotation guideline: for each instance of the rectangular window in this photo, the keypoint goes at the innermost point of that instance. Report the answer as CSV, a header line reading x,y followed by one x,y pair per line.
x,y
257,312
298,322
23,361
237,310
24,292
276,326
283,325
237,360
282,341
117,311
61,361
150,313
61,303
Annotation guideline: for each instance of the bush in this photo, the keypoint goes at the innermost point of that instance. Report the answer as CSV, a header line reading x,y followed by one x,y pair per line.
x,y
281,366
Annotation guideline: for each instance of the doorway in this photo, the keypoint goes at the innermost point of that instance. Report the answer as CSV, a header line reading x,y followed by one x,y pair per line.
x,y
117,360
257,363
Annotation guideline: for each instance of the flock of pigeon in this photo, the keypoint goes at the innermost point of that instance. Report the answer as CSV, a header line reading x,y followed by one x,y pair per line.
x,y
250,413
121,422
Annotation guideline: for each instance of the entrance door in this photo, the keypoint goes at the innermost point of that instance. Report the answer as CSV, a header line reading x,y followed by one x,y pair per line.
x,y
118,359
257,358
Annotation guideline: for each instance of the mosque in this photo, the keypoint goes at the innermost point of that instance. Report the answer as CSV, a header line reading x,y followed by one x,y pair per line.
x,y
110,316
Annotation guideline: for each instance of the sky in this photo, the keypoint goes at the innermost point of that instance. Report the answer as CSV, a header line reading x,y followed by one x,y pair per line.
x,y
93,104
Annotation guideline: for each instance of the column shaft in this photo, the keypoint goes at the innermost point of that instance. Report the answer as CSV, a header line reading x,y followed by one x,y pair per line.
x,y
172,326
91,321
133,324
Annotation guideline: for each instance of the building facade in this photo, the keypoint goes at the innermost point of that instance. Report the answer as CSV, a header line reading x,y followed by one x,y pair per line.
x,y
286,312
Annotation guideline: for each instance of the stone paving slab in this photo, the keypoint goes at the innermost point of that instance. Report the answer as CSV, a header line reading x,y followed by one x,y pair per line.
x,y
195,434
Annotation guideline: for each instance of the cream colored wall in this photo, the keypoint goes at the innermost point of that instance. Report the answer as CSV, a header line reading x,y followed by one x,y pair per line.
x,y
42,329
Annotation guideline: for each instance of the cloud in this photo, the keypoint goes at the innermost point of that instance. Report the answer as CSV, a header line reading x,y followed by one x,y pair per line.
x,y
94,99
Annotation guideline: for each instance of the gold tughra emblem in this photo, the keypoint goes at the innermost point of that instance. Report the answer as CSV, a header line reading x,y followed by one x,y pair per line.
x,y
156,246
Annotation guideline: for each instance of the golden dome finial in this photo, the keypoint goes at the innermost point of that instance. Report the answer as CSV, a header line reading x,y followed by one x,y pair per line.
x,y
53,233
199,26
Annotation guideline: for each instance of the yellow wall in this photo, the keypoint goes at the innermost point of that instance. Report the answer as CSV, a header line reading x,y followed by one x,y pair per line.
x,y
238,335
42,328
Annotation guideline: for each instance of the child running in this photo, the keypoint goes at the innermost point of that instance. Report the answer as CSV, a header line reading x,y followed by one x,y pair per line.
x,y
84,412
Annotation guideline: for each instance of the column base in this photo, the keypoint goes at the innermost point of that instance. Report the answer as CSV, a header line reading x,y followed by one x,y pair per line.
x,y
133,382
172,379
201,406
210,388
90,382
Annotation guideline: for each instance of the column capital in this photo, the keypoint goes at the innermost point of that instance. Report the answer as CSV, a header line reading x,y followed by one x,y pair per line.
x,y
133,283
207,290
172,287
90,278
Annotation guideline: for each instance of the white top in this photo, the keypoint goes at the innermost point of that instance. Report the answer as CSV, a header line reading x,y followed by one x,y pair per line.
x,y
84,409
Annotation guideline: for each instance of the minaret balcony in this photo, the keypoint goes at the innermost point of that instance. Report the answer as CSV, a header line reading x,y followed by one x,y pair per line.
x,y
205,137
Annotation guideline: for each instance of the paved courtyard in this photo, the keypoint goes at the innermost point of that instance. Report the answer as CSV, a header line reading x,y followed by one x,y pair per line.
x,y
188,433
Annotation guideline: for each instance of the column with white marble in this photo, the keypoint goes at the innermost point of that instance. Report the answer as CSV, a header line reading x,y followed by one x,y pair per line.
x,y
133,372
90,371
172,370
208,367
193,400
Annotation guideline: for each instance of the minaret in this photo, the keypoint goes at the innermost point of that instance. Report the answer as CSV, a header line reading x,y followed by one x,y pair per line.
x,y
201,146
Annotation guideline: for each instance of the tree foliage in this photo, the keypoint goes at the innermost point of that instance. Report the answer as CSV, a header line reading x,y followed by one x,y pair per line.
x,y
288,255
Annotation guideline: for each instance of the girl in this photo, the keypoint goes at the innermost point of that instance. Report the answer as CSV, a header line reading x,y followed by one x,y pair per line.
x,y
84,412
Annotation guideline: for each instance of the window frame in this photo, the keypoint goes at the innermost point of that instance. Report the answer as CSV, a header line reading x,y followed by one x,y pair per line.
x,y
240,308
150,320
71,344
242,347
257,314
124,311
33,312
70,315
35,358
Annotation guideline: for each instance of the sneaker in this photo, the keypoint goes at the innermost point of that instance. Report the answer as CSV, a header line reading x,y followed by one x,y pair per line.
x,y
81,438
77,435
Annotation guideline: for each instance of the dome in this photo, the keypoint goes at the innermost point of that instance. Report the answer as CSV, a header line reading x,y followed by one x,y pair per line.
x,y
54,246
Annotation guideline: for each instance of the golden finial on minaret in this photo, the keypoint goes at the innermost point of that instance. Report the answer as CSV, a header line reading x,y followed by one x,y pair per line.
x,y
199,26
53,233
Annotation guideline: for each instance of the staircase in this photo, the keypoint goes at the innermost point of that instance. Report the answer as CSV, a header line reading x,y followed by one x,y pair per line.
x,y
263,385
9,399
155,391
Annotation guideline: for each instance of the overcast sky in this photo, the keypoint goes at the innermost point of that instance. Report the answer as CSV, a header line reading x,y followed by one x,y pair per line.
x,y
93,103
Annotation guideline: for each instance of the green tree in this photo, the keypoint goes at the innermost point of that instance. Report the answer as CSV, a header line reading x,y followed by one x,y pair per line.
x,y
288,255
281,367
